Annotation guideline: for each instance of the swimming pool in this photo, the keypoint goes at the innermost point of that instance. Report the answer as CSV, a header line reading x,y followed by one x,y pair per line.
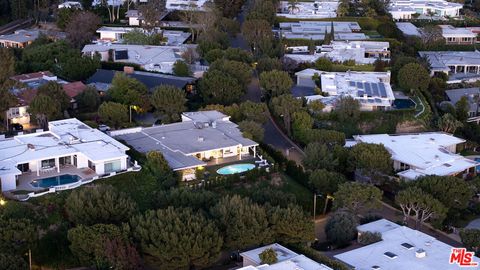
x,y
403,103
236,168
478,167
55,181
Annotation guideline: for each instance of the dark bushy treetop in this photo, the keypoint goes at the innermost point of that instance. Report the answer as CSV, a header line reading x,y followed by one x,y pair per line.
x,y
99,204
217,87
252,130
16,235
319,156
367,238
275,83
243,223
341,228
180,68
291,225
413,77
355,196
185,197
371,158
177,238
169,101
326,182
471,239
12,262
114,114
128,91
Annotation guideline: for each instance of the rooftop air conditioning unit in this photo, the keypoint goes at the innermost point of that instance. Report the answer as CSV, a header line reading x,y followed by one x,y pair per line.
x,y
200,139
420,253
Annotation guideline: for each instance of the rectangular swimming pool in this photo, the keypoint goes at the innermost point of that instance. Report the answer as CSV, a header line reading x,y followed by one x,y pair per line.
x,y
55,181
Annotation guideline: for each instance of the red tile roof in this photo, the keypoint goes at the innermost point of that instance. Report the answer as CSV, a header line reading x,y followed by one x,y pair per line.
x,y
73,89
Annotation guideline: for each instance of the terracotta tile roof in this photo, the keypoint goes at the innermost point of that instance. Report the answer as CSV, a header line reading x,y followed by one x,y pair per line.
x,y
73,89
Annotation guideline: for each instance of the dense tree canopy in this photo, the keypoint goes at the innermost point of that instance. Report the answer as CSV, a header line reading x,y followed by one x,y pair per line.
x,y
291,225
177,238
56,93
326,182
169,101
413,77
114,114
217,87
89,23
285,106
242,222
471,239
16,235
355,196
12,262
180,68
252,130
341,228
45,109
371,159
275,83
88,99
128,91
319,156
99,204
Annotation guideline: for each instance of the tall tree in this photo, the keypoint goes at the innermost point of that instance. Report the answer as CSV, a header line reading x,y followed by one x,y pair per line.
x,y
448,123
262,10
256,32
12,262
151,12
471,239
372,160
7,100
44,108
252,130
55,91
355,196
462,109
169,101
326,182
7,68
291,225
347,109
319,156
242,72
114,114
341,228
177,238
452,192
99,204
229,8
128,91
284,106
243,223
180,68
80,36
413,77
217,87
422,206
275,83
88,99
16,235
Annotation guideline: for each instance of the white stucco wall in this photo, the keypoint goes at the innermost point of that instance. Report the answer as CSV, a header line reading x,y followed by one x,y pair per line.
x,y
8,182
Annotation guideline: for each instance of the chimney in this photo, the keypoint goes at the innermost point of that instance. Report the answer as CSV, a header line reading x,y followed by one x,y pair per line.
x,y
128,70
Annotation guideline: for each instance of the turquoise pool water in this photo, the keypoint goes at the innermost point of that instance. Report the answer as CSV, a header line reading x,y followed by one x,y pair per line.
x,y
478,167
55,181
403,103
236,168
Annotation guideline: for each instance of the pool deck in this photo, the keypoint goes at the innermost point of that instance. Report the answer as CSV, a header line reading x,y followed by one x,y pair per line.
x,y
25,179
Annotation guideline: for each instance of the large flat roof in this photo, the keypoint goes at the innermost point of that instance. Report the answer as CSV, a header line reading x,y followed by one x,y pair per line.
x,y
441,60
426,153
199,132
65,137
450,31
455,95
437,253
408,29
21,36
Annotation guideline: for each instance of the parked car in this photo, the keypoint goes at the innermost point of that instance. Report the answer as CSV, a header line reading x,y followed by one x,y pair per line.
x,y
103,128
16,127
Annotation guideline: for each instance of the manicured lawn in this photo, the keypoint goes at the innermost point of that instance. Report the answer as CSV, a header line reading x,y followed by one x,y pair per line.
x,y
304,196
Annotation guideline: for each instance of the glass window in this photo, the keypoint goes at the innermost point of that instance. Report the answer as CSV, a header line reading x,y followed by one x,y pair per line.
x,y
113,166
48,163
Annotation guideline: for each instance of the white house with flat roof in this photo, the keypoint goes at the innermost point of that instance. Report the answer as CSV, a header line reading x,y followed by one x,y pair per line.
x,y
151,58
308,10
362,52
422,154
115,34
70,4
202,138
315,30
68,143
400,248
287,260
460,66
458,35
439,9
371,89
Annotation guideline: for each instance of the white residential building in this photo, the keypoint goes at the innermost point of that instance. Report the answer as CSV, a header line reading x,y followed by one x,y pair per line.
x,y
439,9
458,36
315,30
115,34
202,138
309,10
422,154
362,52
68,143
400,248
371,89
186,4
287,260
460,66
151,58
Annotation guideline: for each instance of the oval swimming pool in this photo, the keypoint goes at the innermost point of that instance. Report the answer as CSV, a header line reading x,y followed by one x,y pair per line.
x,y
55,181
236,168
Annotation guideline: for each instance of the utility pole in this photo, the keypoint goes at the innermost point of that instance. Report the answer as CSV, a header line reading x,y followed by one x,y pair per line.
x,y
30,258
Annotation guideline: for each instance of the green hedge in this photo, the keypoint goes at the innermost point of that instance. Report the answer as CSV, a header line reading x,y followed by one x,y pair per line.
x,y
319,257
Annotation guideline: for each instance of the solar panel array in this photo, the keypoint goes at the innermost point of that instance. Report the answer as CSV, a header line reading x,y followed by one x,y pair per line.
x,y
371,89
